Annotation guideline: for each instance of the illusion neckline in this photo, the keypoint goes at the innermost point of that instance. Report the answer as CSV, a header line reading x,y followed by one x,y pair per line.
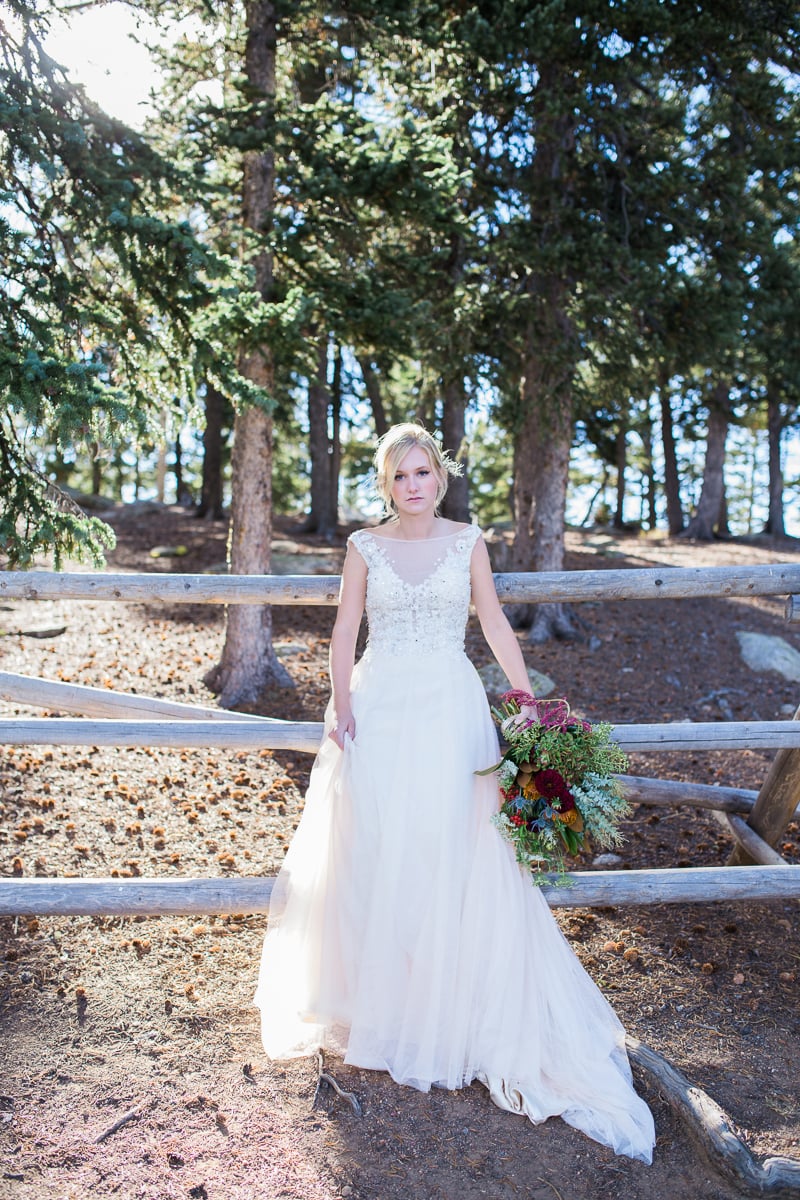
x,y
417,541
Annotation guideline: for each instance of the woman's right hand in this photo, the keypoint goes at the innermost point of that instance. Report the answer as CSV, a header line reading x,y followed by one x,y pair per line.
x,y
344,725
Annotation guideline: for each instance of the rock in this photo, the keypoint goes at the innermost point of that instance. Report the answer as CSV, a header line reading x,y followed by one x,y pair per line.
x,y
303,564
495,682
287,649
763,652
607,860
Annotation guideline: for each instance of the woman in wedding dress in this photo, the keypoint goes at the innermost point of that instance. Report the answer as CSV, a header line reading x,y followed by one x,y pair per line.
x,y
402,933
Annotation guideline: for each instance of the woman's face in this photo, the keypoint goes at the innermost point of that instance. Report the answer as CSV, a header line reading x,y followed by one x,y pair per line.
x,y
415,484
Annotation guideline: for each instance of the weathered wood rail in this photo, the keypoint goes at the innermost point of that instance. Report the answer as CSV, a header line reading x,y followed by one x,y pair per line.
x,y
305,735
102,702
632,583
186,897
156,722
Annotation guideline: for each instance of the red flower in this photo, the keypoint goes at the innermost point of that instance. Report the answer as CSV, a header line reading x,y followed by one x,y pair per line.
x,y
552,785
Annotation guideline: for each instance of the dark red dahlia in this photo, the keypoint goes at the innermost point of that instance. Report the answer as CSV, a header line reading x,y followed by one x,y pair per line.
x,y
552,785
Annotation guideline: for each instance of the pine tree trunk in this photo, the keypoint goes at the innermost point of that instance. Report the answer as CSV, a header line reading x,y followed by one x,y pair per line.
x,y
621,457
541,475
211,495
775,520
672,490
454,437
97,470
182,495
336,435
321,518
549,355
249,666
373,385
707,520
649,496
552,438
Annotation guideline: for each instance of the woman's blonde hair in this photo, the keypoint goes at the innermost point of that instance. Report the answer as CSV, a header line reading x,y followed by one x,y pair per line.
x,y
392,449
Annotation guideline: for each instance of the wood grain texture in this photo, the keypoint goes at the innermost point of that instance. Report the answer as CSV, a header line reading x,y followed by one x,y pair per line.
x,y
631,583
102,702
673,793
712,1130
229,734
579,889
246,734
757,849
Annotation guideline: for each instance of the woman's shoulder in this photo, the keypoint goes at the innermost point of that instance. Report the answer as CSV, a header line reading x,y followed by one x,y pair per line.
x,y
466,533
364,541
359,536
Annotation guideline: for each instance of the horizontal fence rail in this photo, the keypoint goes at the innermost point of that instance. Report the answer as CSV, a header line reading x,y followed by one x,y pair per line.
x,y
579,889
630,583
184,727
306,735
673,793
103,702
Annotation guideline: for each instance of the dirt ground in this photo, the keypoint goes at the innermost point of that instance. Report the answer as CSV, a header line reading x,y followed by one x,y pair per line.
x,y
101,1018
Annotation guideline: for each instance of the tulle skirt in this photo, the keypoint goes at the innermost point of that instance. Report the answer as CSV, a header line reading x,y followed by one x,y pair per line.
x,y
403,935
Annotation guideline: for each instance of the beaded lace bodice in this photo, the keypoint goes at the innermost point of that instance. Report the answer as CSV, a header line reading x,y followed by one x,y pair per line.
x,y
418,592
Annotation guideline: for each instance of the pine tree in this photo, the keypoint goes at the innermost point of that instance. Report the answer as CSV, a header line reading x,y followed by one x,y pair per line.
x,y
102,288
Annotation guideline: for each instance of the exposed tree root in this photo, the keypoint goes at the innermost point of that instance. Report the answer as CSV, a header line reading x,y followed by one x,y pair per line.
x,y
711,1129
324,1076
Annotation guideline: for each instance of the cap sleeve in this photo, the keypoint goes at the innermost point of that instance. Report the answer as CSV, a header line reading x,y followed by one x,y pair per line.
x,y
364,543
468,537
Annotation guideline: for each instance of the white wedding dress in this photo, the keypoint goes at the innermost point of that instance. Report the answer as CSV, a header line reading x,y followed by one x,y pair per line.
x,y
402,933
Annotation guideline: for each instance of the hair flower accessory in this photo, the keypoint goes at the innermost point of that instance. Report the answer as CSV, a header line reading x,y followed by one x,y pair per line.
x,y
556,783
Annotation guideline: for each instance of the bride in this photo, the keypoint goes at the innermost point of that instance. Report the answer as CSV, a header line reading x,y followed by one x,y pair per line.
x,y
402,934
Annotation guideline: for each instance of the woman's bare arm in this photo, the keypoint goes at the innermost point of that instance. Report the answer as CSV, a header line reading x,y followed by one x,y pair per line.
x,y
343,642
494,623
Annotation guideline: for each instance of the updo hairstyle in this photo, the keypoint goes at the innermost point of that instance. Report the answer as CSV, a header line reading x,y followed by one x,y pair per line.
x,y
392,449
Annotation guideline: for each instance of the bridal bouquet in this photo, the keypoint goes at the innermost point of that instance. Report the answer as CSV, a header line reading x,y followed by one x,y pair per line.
x,y
556,783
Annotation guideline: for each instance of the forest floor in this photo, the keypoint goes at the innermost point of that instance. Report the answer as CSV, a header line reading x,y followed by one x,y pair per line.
x,y
101,1018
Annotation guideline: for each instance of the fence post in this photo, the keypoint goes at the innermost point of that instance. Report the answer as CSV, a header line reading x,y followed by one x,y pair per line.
x,y
775,804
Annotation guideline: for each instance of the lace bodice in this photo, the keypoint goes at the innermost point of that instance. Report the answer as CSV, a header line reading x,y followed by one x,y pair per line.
x,y
418,592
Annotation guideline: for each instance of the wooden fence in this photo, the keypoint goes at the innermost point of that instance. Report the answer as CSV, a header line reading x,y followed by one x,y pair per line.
x,y
156,722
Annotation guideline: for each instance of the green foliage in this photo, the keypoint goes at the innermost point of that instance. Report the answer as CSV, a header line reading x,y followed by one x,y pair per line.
x,y
604,195
36,517
107,292
491,470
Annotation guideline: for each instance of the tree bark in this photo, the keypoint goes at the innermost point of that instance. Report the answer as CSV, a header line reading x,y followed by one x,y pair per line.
x,y
321,518
211,495
648,512
621,457
373,385
710,514
336,435
541,473
672,491
97,470
249,665
775,519
549,355
183,493
775,804
454,436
